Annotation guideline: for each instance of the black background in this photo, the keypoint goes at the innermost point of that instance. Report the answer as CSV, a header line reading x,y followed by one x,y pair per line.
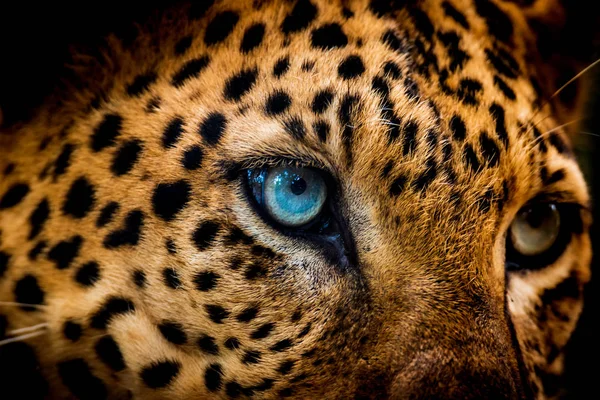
x,y
34,45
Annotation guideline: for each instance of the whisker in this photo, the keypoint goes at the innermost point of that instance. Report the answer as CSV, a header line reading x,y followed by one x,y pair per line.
x,y
573,79
28,329
22,337
14,304
557,92
589,133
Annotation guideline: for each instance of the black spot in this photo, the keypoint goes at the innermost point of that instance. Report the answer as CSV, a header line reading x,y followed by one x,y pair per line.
x,y
381,87
277,103
112,307
171,247
208,345
205,234
303,13
239,84
503,62
455,14
263,331
213,377
504,88
213,128
77,377
555,177
281,345
63,160
106,133
252,37
139,278
125,157
254,271
409,140
345,111
471,158
216,313
129,234
328,36
64,252
458,57
192,158
497,113
423,180
183,45
109,353
305,330
189,70
489,149
398,185
467,91
251,357
38,218
281,67
33,253
198,8
172,132
567,289
88,274
72,331
499,24
173,332
141,84
391,69
233,389
8,169
390,39
14,195
383,7
295,127
107,213
220,27
232,343
206,280
322,101
80,198
169,199
285,367
235,236
422,22
248,314
160,374
28,291
351,67
286,392
171,278
322,129
559,143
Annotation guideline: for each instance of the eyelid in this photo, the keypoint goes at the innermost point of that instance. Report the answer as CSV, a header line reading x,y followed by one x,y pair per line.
x,y
232,169
561,197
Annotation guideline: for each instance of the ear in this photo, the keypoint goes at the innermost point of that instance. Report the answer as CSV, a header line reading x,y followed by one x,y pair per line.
x,y
565,37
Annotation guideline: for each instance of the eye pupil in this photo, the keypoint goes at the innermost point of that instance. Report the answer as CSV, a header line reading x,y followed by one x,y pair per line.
x,y
298,185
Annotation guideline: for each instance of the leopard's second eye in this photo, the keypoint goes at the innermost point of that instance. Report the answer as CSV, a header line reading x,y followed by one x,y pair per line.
x,y
535,229
291,196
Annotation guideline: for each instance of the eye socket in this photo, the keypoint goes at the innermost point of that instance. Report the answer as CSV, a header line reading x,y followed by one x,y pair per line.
x,y
293,197
535,229
540,233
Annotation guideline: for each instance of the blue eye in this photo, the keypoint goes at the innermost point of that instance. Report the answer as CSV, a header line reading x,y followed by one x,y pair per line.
x,y
293,197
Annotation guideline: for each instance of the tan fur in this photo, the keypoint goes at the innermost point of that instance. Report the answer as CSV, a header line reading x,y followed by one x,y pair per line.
x,y
423,311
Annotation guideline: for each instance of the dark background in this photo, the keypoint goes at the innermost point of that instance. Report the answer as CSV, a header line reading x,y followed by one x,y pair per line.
x,y
34,46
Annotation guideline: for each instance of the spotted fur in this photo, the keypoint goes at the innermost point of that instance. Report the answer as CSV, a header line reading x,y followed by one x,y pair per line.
x,y
126,229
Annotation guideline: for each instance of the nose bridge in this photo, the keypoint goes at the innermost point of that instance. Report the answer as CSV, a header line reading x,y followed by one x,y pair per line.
x,y
449,334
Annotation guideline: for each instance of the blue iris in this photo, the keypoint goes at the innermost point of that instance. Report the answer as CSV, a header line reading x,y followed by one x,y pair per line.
x,y
291,196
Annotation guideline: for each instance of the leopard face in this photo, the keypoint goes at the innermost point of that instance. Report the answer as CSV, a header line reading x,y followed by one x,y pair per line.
x,y
152,235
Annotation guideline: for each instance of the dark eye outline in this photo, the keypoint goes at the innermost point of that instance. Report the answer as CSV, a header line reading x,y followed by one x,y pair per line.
x,y
571,223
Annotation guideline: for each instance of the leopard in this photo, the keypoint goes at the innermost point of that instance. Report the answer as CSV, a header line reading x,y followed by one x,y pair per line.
x,y
301,199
